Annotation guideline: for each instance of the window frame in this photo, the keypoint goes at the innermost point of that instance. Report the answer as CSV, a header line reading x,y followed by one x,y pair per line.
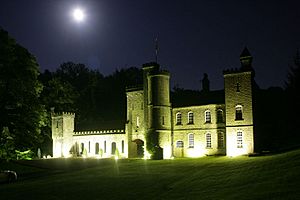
x,y
178,122
239,139
207,119
190,117
181,144
220,117
221,140
239,112
208,140
191,140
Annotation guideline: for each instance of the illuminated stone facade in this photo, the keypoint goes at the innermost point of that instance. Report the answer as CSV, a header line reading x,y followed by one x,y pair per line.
x,y
190,131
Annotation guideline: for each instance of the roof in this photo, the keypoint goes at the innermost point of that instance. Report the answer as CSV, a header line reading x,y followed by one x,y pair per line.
x,y
245,53
182,98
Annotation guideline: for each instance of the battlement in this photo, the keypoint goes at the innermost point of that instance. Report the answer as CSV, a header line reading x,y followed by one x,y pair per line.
x,y
100,132
134,88
235,70
63,114
160,72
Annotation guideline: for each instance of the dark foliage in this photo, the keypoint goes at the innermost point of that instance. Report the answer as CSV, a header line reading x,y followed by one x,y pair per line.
x,y
152,139
20,109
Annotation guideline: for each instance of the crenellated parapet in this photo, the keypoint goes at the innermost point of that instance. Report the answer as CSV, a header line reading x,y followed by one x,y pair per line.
x,y
71,114
235,70
100,132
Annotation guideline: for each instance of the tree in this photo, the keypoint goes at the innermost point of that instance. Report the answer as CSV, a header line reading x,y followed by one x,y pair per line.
x,y
20,109
293,101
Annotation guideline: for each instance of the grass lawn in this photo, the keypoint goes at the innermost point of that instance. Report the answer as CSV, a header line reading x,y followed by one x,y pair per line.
x,y
265,177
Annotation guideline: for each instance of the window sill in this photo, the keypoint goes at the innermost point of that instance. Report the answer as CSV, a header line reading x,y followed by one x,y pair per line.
x,y
239,119
178,124
209,148
207,122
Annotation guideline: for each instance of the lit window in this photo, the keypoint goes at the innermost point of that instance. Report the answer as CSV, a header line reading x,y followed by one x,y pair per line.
x,y
238,112
207,117
190,117
239,139
137,121
178,118
220,140
208,140
191,140
179,144
220,118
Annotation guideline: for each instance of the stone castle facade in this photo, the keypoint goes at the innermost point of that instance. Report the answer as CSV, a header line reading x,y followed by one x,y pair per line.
x,y
190,131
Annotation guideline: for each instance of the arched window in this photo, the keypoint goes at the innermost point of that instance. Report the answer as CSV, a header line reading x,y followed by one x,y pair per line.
x,y
239,112
208,140
137,121
82,147
221,140
178,118
179,144
113,148
220,118
239,139
191,140
207,117
97,148
190,117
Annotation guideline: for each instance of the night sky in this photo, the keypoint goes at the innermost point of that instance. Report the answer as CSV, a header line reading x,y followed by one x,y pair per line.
x,y
194,37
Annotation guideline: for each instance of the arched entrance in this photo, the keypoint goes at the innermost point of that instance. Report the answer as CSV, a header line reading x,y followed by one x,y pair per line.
x,y
139,147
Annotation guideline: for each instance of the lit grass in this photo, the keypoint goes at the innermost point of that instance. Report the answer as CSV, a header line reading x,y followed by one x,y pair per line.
x,y
268,177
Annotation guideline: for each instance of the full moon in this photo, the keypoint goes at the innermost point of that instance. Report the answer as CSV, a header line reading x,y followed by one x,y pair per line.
x,y
78,15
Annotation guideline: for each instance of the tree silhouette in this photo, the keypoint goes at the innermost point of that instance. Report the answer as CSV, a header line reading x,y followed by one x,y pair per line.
x,y
20,109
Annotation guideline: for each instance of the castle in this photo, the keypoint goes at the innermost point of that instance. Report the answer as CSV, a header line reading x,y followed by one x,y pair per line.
x,y
190,131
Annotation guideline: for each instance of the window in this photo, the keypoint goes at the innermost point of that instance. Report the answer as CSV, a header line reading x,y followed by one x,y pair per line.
x,y
89,147
97,148
238,112
57,124
104,146
163,120
122,146
220,140
178,118
113,148
239,139
191,140
208,140
207,117
82,147
137,121
220,118
179,144
238,86
190,117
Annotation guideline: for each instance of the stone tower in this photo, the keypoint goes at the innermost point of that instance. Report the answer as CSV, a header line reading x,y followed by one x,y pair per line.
x,y
239,107
157,113
62,132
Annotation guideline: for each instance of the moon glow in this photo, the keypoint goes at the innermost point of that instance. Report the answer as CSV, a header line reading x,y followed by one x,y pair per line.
x,y
78,15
